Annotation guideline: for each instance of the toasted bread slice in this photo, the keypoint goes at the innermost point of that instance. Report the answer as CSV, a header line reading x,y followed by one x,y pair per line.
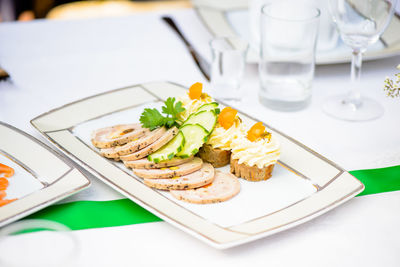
x,y
217,157
253,173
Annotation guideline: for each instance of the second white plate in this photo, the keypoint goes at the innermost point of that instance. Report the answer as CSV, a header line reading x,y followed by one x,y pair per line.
x,y
41,177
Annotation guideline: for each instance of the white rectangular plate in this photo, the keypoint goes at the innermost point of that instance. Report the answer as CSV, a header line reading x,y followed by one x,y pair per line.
x,y
42,176
304,184
230,18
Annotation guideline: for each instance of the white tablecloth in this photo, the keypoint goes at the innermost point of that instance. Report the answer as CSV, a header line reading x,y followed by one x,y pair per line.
x,y
55,62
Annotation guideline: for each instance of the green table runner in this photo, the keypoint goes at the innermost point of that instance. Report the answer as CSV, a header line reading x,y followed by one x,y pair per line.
x,y
95,214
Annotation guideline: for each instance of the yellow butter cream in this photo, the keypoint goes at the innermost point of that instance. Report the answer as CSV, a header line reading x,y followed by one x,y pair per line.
x,y
192,105
222,139
260,153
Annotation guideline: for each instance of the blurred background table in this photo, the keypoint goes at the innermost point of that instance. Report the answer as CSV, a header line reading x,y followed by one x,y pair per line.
x,y
52,63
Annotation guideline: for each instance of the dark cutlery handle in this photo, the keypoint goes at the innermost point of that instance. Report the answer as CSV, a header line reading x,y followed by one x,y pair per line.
x,y
173,25
196,57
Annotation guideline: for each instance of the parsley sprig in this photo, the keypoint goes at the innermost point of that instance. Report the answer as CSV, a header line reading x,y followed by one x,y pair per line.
x,y
151,118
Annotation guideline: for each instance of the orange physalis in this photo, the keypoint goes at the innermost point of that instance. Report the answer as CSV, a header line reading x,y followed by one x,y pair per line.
x,y
256,131
227,117
195,91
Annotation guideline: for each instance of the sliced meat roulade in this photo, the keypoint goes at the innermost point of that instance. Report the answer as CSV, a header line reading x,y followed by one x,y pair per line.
x,y
142,142
110,153
224,187
134,145
165,138
117,135
170,172
147,164
193,180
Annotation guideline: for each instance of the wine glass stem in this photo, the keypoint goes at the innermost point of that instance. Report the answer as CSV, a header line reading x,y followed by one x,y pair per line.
x,y
354,96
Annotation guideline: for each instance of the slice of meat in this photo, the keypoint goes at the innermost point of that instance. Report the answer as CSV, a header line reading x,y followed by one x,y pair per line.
x,y
134,145
165,138
193,180
142,142
110,153
170,172
147,164
117,135
224,187
217,157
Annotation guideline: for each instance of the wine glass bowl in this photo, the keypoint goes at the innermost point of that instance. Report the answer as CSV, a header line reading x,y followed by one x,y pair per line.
x,y
360,23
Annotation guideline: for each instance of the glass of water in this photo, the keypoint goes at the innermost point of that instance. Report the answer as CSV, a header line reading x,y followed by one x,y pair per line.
x,y
287,56
327,34
227,68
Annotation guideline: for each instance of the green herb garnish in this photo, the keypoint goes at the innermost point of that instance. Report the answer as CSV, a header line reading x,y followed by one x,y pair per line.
x,y
151,118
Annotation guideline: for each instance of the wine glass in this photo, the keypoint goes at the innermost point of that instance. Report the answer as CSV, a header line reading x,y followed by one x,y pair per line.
x,y
360,24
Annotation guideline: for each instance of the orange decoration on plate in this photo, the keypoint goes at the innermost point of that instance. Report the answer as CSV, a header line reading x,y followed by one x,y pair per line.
x,y
195,91
6,201
227,117
7,171
256,131
3,183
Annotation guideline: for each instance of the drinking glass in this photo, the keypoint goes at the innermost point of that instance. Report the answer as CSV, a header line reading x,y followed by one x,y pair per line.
x,y
227,67
360,24
327,34
20,247
289,32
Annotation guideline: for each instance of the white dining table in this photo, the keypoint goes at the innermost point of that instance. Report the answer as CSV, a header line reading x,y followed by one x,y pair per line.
x,y
52,63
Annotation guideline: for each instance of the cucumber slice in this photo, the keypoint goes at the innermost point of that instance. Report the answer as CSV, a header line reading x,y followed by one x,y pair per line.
x,y
169,150
195,136
210,106
205,118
